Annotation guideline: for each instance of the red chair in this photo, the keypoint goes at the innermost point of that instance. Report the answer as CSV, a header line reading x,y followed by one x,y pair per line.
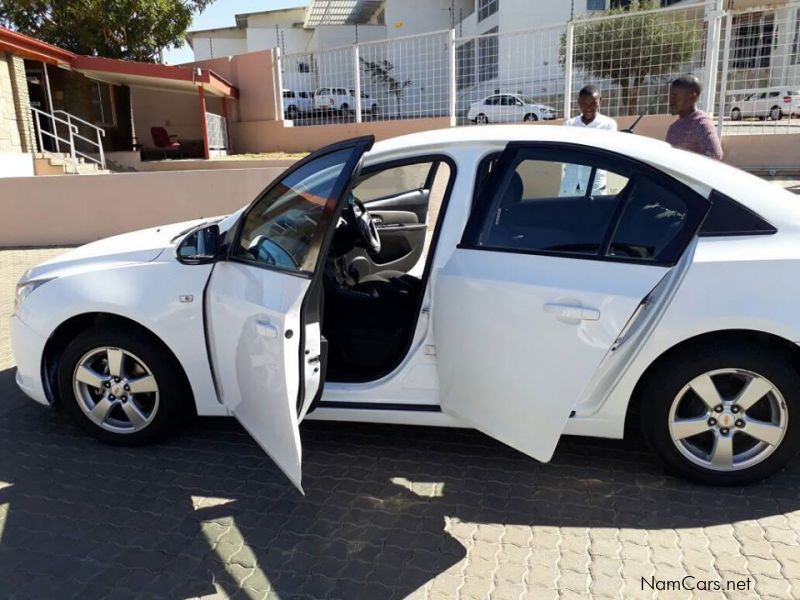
x,y
165,142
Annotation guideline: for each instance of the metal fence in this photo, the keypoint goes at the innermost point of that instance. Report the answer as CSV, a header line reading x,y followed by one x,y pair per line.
x,y
536,74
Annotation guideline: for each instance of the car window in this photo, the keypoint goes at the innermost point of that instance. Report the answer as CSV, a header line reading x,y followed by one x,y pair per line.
x,y
546,206
392,181
492,100
287,94
793,93
762,95
774,94
304,94
283,227
749,97
341,92
575,205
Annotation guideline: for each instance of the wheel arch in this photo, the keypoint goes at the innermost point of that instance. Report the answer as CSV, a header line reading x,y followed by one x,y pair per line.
x,y
761,339
77,324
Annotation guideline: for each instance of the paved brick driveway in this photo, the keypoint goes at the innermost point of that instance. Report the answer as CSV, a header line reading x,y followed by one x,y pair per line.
x,y
389,513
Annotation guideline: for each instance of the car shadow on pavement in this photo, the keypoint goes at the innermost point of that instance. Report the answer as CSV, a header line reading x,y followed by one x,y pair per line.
x,y
208,512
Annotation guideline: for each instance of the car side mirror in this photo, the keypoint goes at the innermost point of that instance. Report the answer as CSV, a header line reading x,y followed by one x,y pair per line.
x,y
200,246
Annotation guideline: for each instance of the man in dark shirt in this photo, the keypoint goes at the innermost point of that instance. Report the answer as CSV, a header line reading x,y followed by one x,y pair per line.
x,y
694,130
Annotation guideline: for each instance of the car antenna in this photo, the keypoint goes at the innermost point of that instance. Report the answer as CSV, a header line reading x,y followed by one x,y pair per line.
x,y
635,123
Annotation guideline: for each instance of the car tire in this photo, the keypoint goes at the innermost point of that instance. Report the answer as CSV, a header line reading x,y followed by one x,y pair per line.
x,y
775,113
671,410
344,109
481,119
131,418
375,109
530,117
736,115
292,113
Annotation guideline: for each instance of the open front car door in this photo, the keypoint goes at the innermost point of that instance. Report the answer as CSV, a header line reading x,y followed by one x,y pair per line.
x,y
263,301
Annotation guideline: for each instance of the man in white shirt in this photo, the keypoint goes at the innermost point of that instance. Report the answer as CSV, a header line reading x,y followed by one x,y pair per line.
x,y
575,178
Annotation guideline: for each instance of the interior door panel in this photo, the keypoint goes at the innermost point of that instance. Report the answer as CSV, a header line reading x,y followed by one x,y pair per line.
x,y
401,221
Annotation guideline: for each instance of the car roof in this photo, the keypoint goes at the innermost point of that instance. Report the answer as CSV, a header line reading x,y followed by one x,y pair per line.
x,y
769,200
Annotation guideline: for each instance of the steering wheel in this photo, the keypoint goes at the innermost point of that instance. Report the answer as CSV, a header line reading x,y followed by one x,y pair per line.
x,y
366,227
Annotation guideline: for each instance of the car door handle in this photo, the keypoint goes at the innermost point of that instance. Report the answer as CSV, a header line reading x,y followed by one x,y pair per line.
x,y
570,311
266,329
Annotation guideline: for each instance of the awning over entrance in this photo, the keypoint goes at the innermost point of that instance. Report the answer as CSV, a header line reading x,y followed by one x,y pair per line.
x,y
162,77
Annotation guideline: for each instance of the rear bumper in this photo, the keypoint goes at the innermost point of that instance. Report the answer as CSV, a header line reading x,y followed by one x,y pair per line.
x,y
27,347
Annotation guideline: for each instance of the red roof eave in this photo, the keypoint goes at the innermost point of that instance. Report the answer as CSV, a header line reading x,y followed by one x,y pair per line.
x,y
139,69
28,47
31,48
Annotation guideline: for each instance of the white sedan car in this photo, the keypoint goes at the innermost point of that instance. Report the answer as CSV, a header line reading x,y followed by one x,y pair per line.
x,y
440,279
509,108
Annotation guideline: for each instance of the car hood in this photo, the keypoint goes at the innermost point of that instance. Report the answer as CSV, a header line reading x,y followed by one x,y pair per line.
x,y
135,247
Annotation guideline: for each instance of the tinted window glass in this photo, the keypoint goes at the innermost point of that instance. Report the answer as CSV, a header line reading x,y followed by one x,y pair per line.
x,y
556,201
547,206
284,228
653,217
728,217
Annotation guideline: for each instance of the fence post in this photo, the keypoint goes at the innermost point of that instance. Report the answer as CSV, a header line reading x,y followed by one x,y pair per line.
x,y
723,84
357,81
714,18
451,51
279,81
568,54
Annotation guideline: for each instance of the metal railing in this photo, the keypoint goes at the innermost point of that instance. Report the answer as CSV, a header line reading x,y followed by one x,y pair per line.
x,y
73,136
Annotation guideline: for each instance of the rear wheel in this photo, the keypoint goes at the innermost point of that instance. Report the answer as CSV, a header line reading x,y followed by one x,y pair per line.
x,y
344,109
775,113
736,114
121,387
723,414
481,119
292,113
531,117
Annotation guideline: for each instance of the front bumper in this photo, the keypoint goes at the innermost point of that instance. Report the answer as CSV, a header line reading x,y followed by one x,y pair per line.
x,y
27,346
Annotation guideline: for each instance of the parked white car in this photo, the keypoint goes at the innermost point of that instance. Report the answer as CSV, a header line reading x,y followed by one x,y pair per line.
x,y
509,108
343,100
773,104
297,103
667,300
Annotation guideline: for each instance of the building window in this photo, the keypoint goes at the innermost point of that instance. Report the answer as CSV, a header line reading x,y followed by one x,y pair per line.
x,y
103,113
595,4
488,55
465,64
486,8
753,38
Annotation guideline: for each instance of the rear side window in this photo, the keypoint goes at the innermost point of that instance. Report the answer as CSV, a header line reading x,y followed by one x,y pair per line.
x,y
728,217
583,204
288,94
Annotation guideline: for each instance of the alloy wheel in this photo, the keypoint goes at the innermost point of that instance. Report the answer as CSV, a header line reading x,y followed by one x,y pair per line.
x,y
728,419
116,390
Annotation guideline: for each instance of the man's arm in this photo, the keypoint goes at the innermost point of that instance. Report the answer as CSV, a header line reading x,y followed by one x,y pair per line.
x,y
707,139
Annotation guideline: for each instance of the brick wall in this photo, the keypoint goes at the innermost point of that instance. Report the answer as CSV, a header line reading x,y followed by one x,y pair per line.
x,y
10,140
19,86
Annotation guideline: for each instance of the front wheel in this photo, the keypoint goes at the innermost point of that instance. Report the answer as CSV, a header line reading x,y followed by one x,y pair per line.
x,y
776,114
481,119
736,115
723,414
121,387
530,118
